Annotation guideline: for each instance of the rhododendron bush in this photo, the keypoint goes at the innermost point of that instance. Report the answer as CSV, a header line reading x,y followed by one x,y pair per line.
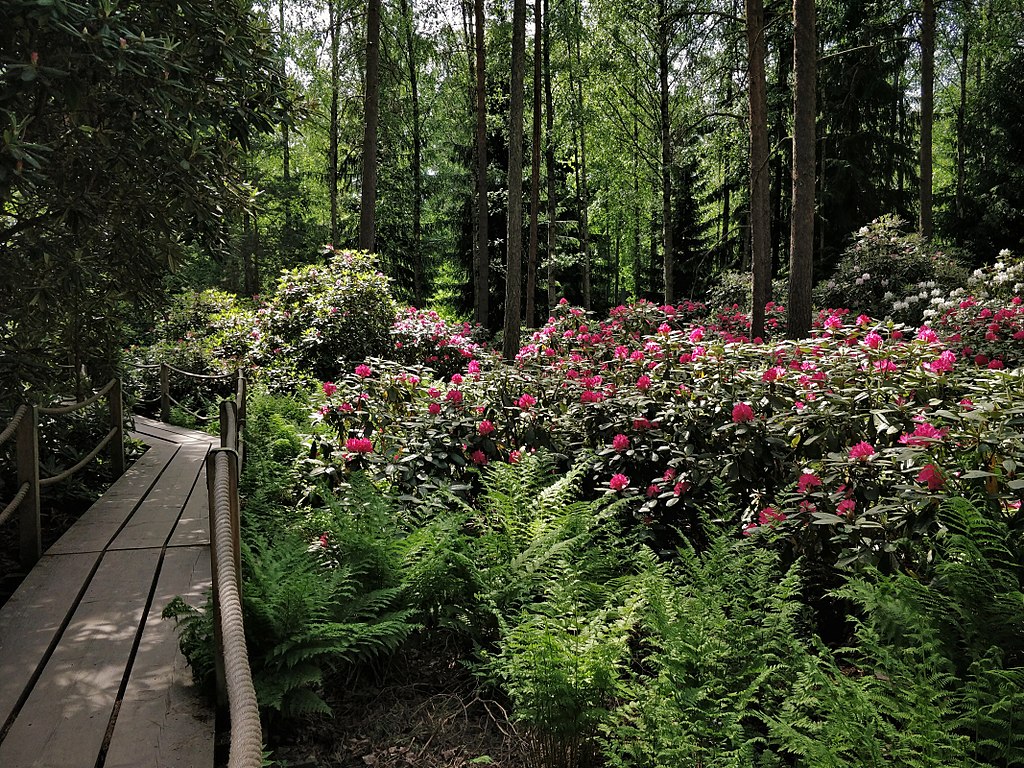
x,y
841,444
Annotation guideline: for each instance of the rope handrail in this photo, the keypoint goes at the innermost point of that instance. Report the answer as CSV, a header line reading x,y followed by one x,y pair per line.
x,y
246,744
20,497
200,375
54,479
60,410
145,366
12,425
190,412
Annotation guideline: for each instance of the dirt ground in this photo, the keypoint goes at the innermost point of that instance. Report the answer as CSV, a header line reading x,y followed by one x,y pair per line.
x,y
424,711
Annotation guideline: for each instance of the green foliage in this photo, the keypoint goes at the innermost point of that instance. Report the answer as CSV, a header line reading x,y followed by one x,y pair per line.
x,y
888,273
323,316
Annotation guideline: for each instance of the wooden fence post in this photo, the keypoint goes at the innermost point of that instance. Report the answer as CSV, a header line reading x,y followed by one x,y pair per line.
x,y
29,525
117,423
165,393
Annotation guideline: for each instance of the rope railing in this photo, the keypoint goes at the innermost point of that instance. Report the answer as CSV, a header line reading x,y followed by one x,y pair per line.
x,y
25,426
234,676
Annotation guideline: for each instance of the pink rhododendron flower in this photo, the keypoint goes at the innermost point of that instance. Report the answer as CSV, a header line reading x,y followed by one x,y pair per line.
x,y
885,366
664,328
769,515
741,413
944,363
995,365
642,423
773,374
434,392
807,481
434,408
454,395
618,482
696,335
643,383
862,451
364,370
833,322
926,333
873,340
485,427
620,442
526,402
681,487
923,434
652,491
846,506
473,367
359,445
479,457
863,320
330,388
931,475
749,529
456,378
514,456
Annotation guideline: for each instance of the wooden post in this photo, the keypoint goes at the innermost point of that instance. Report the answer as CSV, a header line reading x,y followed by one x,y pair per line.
x,y
228,424
29,525
165,393
117,423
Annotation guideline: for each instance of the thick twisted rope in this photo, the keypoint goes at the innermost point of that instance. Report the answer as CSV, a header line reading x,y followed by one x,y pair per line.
x,y
246,750
9,509
59,410
200,375
71,470
13,425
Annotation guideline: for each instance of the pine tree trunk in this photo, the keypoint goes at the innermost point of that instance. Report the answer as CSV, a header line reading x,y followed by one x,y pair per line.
x,y
801,249
513,287
760,213
286,171
666,153
531,273
371,110
549,162
333,23
481,256
927,112
961,128
408,14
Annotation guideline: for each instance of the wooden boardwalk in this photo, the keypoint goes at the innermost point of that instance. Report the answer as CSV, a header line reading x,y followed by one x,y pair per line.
x,y
90,674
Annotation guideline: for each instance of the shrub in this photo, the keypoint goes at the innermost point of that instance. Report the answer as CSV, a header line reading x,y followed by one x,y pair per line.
x,y
886,273
324,315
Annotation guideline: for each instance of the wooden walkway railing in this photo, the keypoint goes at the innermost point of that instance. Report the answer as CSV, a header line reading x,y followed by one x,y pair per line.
x,y
25,424
120,529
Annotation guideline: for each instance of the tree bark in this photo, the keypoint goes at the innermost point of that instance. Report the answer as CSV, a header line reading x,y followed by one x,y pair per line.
x,y
549,162
514,239
961,126
531,273
481,256
333,22
760,204
801,249
371,112
666,152
286,171
583,188
408,14
927,113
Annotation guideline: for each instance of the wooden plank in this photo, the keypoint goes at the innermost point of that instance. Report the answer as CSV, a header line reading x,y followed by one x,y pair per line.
x,y
93,531
193,528
154,520
64,721
163,721
167,431
32,618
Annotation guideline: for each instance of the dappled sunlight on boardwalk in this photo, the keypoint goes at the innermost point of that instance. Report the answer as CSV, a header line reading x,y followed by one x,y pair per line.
x,y
90,675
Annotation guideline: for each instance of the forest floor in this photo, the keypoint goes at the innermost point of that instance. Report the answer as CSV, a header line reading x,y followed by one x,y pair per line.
x,y
424,710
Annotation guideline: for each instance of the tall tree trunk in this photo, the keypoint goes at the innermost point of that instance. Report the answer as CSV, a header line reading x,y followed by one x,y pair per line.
x,y
371,111
286,171
583,189
666,152
549,160
531,273
961,125
801,249
481,256
408,14
927,112
334,23
513,281
760,212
